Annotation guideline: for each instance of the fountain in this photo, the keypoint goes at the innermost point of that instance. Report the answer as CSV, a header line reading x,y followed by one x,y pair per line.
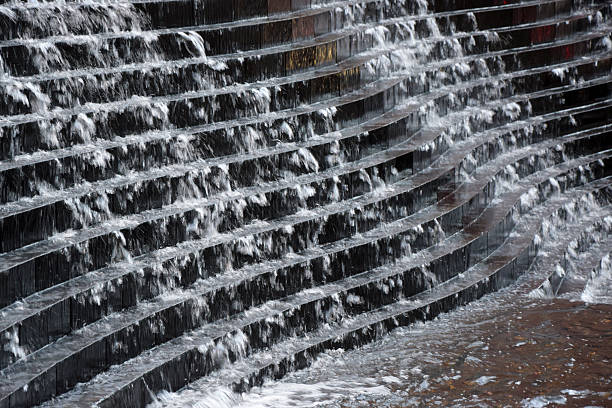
x,y
211,193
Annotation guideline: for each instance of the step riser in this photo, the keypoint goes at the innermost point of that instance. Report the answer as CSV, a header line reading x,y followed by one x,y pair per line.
x,y
396,32
322,156
125,200
213,192
181,13
34,23
72,84
12,177
224,40
104,298
110,246
108,124
455,5
27,22
567,266
502,278
181,79
175,79
73,169
64,215
80,54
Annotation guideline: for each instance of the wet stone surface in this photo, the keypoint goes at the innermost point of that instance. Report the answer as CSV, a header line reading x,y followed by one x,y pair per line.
x,y
526,352
556,352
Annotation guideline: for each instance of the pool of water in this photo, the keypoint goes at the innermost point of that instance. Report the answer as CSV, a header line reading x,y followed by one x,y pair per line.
x,y
506,349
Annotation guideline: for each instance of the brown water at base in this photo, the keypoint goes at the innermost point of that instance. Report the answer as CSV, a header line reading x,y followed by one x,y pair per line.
x,y
548,353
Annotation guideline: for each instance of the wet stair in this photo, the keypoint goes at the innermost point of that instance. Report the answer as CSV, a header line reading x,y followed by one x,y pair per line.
x,y
210,193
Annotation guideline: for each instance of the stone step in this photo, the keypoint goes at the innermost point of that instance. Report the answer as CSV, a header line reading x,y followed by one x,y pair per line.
x,y
215,192
378,200
25,23
457,5
175,14
196,349
86,52
575,266
256,34
16,171
51,85
345,138
20,118
598,280
106,129
33,204
184,69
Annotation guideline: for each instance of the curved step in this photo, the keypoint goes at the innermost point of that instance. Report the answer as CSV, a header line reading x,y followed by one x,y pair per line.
x,y
298,353
572,272
556,249
440,17
397,31
597,288
495,272
22,25
392,25
80,157
187,79
174,44
70,292
176,13
575,112
180,244
17,55
187,346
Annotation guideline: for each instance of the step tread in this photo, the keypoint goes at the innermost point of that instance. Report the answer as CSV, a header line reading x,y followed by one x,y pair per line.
x,y
319,72
97,145
11,208
501,257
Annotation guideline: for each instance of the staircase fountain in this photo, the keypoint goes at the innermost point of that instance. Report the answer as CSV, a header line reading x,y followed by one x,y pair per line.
x,y
214,192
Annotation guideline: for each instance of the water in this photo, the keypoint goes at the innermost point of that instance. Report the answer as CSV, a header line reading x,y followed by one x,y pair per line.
x,y
198,200
547,352
435,365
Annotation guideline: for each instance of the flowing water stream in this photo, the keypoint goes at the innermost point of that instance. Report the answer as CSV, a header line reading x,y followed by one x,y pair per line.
x,y
346,201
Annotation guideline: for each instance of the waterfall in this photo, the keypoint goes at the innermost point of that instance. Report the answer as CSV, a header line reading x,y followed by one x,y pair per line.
x,y
207,195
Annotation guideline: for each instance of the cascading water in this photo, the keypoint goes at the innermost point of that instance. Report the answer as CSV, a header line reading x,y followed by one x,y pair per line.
x,y
206,195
